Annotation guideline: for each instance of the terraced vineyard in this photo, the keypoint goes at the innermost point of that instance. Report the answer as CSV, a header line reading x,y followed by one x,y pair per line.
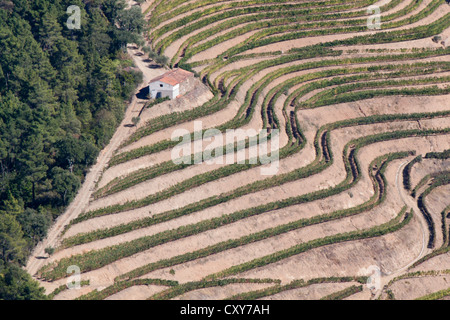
x,y
363,178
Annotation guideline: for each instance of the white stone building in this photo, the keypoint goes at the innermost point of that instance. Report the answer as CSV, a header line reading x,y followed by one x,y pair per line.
x,y
172,84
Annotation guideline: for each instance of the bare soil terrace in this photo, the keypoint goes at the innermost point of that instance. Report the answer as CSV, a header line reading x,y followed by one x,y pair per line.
x,y
394,253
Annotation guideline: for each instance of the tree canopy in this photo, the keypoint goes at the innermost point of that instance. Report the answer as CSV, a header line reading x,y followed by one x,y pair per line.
x,y
62,94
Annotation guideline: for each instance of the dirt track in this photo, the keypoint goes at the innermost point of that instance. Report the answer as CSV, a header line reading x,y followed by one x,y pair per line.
x,y
81,201
394,252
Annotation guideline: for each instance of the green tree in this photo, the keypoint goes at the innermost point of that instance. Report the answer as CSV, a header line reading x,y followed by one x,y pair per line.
x,y
11,206
16,284
35,224
96,42
103,80
112,8
90,153
71,70
49,250
123,37
50,31
68,120
130,26
65,184
33,159
55,83
131,20
12,244
161,60
147,50
70,152
106,122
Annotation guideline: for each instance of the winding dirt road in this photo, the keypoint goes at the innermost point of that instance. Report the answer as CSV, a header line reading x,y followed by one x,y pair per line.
x,y
411,204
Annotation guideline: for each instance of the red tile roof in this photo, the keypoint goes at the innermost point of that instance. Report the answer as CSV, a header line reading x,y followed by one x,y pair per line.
x,y
174,77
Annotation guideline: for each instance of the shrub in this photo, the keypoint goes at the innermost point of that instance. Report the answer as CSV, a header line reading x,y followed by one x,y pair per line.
x,y
49,250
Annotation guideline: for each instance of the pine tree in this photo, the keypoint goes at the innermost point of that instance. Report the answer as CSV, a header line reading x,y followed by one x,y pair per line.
x,y
11,206
65,184
17,284
33,160
50,31
12,244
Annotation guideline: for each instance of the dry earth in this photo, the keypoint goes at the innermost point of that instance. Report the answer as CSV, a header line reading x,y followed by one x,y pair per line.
x,y
394,253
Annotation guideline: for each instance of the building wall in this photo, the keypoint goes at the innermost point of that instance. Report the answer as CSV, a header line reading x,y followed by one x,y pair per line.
x,y
160,89
187,85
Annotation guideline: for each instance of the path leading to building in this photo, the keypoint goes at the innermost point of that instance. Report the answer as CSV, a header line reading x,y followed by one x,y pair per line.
x,y
38,257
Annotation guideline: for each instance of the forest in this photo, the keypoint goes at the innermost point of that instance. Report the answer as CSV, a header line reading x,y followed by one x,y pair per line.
x,y
63,92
